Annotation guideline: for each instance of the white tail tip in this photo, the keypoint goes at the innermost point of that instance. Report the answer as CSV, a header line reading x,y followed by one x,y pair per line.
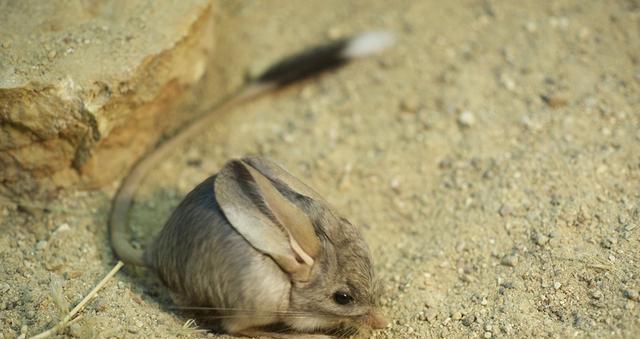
x,y
368,43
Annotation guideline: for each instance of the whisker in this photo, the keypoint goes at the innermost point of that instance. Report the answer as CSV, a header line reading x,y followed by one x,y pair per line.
x,y
344,331
229,316
284,329
206,308
264,312
254,311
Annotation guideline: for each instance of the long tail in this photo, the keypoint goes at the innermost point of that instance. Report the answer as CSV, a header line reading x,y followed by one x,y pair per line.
x,y
294,69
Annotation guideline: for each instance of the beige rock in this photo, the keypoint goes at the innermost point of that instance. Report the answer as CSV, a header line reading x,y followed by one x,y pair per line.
x,y
87,87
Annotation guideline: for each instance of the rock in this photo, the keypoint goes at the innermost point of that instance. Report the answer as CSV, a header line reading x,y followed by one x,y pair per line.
x,y
467,278
554,100
505,210
410,104
456,315
78,112
64,227
395,183
596,295
540,239
608,242
510,260
468,319
75,330
4,288
430,315
466,119
40,245
507,81
632,295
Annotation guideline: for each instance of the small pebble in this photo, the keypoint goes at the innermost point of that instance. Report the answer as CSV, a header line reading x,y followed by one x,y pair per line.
x,y
466,119
510,260
557,285
608,242
40,245
424,119
430,315
488,334
577,320
31,314
467,278
395,184
100,305
410,105
468,319
554,100
62,228
540,239
507,82
4,288
505,210
596,295
531,26
75,330
456,315
632,295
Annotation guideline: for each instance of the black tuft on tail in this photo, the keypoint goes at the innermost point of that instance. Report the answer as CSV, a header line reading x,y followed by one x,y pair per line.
x,y
320,59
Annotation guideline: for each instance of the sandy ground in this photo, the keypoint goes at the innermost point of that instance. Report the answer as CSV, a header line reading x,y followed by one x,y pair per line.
x,y
492,160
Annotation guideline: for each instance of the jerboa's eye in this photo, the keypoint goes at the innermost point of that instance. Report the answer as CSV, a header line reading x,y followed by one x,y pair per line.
x,y
342,298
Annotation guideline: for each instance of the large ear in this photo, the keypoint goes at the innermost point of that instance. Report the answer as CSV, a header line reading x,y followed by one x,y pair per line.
x,y
276,173
266,219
